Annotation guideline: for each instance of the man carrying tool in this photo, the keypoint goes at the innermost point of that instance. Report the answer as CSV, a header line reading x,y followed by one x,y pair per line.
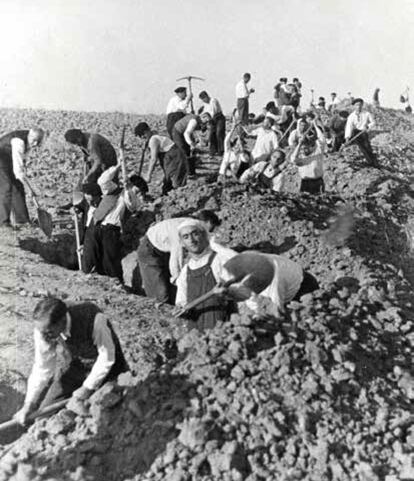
x,y
200,274
218,123
266,140
91,349
177,107
160,256
236,158
358,124
170,157
308,156
183,135
267,174
98,152
14,148
242,96
104,253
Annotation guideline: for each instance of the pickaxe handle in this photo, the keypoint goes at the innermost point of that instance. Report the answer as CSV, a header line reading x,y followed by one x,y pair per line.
x,y
191,93
351,140
41,412
77,235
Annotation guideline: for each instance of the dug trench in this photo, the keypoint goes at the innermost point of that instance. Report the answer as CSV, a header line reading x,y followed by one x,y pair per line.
x,y
324,393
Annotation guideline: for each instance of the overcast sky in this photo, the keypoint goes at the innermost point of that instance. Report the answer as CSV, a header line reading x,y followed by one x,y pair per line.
x,y
127,54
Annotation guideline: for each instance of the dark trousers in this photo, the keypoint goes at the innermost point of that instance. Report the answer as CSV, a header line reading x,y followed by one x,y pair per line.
x,y
217,134
365,147
12,198
155,273
308,285
102,250
312,186
182,145
175,166
243,110
172,119
338,141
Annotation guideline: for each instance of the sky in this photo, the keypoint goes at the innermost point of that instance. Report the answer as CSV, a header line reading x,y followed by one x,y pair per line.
x,y
125,55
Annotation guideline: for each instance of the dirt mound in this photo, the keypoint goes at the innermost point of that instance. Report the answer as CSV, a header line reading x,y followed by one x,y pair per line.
x,y
324,393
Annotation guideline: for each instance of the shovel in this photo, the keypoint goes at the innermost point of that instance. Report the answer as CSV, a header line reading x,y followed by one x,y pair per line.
x,y
41,412
44,218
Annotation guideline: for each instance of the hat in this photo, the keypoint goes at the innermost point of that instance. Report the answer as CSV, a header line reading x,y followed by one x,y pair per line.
x,y
358,99
198,224
203,95
180,90
91,188
283,79
140,129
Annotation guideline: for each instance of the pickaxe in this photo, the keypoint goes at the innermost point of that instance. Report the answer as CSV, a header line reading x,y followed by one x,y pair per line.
x,y
189,78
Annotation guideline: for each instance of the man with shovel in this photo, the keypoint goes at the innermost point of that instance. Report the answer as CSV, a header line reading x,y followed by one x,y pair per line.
x,y
171,159
14,148
90,354
358,124
99,154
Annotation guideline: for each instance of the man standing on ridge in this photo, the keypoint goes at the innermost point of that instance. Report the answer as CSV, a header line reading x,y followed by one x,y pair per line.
x,y
218,123
242,96
177,107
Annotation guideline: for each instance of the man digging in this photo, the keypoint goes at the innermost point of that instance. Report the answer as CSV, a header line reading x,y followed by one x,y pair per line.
x,y
76,351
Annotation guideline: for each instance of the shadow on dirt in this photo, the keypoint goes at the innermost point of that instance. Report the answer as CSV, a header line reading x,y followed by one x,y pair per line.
x,y
60,250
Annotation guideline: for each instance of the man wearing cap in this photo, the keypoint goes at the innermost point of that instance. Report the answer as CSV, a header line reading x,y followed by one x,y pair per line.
x,y
14,148
177,107
183,135
201,273
104,253
91,354
242,97
308,157
170,157
160,256
218,123
99,154
358,124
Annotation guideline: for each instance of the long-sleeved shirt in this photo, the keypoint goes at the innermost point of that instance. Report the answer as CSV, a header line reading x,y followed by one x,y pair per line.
x,y
212,108
175,104
252,173
164,237
266,143
223,254
360,121
19,158
45,362
242,90
128,199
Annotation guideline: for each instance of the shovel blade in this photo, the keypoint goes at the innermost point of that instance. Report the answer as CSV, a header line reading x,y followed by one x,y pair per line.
x,y
45,222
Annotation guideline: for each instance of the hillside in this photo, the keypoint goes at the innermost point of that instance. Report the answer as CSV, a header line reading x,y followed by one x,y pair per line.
x,y
325,394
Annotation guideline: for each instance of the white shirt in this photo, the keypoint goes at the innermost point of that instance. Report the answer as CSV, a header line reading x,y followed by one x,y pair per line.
x,y
266,144
223,254
46,358
89,215
285,284
177,105
128,199
334,104
164,237
263,167
241,90
361,121
312,167
160,143
231,160
212,108
18,157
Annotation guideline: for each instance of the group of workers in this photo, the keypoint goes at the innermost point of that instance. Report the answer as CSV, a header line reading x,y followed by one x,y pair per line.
x,y
179,259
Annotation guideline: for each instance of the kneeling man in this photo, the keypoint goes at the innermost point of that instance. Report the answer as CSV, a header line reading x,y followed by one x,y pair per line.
x,y
90,347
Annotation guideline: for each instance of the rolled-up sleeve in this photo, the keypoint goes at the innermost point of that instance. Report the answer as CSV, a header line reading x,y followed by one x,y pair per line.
x,y
102,338
18,157
43,369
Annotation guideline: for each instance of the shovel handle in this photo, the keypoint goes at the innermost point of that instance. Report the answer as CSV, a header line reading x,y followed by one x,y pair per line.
x,y
77,236
351,140
41,412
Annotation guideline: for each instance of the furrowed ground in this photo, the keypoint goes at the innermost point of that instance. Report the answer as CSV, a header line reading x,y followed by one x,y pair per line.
x,y
324,394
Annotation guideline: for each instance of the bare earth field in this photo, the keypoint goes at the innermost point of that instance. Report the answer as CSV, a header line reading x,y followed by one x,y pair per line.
x,y
324,395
